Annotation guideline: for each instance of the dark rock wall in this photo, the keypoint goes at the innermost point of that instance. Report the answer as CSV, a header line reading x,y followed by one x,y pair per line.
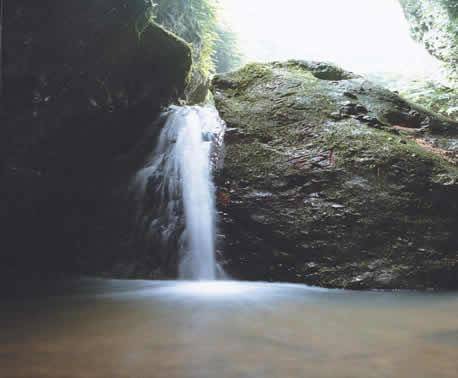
x,y
83,81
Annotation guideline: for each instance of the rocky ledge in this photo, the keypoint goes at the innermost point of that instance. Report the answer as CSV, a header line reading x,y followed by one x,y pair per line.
x,y
333,181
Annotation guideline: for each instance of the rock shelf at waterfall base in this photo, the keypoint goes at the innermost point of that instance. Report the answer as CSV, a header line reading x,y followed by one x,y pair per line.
x,y
333,181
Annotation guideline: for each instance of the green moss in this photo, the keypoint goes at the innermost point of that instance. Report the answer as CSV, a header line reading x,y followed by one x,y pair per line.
x,y
251,73
378,151
314,176
320,70
437,98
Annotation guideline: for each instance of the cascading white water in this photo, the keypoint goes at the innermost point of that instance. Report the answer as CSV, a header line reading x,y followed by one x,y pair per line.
x,y
180,171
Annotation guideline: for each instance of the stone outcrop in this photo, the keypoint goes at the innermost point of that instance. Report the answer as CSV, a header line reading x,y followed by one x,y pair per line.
x,y
82,82
333,181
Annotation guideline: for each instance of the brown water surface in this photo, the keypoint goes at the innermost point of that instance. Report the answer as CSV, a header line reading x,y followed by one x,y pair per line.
x,y
138,329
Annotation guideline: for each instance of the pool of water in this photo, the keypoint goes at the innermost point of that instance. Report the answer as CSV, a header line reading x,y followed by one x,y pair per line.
x,y
139,329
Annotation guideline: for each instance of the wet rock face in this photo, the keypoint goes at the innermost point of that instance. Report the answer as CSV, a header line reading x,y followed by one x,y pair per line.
x,y
89,72
435,24
82,81
336,183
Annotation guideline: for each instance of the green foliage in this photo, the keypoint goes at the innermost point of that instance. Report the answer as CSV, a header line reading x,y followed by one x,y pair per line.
x,y
435,24
435,97
227,55
196,21
452,7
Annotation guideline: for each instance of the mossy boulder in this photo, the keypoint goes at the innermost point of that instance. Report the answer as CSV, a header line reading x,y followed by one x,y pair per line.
x,y
336,183
83,80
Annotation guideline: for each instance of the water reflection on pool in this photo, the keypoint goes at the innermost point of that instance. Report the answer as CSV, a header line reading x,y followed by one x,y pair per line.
x,y
108,328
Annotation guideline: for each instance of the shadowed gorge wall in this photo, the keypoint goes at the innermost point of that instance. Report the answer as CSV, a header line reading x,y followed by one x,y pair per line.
x,y
83,80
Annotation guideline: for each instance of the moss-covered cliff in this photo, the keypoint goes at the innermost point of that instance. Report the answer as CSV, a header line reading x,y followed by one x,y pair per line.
x,y
333,181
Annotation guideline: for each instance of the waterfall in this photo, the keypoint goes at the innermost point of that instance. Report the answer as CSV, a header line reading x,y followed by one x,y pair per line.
x,y
178,177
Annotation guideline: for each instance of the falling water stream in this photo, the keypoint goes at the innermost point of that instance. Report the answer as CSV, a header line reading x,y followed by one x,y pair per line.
x,y
180,170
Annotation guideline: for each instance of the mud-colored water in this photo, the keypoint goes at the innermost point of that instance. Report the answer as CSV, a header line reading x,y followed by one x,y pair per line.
x,y
97,328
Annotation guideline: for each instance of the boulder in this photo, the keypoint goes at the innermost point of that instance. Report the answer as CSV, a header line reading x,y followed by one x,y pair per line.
x,y
334,181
